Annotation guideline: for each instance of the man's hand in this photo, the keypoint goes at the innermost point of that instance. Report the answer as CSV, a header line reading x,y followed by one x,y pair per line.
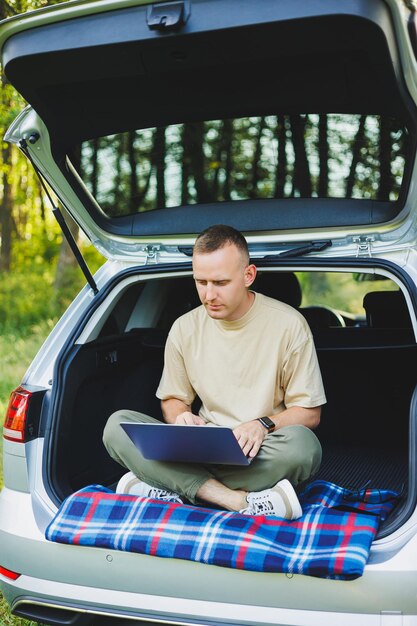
x,y
189,418
250,436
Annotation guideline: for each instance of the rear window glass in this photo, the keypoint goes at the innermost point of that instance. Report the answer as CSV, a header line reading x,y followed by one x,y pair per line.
x,y
274,156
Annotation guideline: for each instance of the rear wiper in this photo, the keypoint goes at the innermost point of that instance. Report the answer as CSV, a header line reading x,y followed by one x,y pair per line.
x,y
313,246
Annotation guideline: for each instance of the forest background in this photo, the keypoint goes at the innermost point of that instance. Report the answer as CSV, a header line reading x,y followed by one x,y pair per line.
x,y
38,273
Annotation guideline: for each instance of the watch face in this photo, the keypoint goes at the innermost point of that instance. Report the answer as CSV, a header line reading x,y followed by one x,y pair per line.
x,y
268,423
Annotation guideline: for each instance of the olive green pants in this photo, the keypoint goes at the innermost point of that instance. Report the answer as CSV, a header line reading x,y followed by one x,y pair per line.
x,y
292,452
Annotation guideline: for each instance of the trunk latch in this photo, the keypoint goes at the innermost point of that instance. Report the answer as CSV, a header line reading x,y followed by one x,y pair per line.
x,y
167,16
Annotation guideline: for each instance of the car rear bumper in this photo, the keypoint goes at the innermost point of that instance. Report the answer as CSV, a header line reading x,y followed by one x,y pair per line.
x,y
62,580
60,603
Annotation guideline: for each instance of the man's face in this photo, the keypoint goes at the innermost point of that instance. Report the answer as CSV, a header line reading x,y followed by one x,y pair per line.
x,y
222,279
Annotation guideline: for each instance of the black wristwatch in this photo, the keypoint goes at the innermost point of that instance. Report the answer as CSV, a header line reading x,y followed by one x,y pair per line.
x,y
267,423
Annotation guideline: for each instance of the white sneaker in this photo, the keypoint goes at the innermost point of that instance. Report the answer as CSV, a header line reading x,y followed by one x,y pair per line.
x,y
281,501
132,485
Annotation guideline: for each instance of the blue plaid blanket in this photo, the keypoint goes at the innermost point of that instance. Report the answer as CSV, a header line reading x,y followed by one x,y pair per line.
x,y
332,539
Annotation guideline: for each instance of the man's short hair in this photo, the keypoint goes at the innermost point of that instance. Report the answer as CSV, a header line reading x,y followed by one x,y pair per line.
x,y
219,236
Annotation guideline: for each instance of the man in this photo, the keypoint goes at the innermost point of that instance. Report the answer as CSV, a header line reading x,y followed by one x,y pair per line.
x,y
246,356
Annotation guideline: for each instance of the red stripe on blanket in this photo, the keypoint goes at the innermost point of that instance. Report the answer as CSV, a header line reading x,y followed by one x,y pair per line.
x,y
240,559
96,497
348,531
160,530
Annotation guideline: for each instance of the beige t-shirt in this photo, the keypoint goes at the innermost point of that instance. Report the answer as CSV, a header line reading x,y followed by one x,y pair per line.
x,y
257,365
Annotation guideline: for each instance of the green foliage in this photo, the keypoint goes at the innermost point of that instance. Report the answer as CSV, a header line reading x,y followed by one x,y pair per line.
x,y
16,353
29,297
340,291
8,620
25,299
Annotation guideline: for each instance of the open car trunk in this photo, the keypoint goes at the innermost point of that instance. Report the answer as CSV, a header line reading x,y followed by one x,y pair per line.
x,y
364,358
281,116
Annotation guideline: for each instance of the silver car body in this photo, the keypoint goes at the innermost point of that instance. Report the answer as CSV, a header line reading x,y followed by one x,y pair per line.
x,y
59,582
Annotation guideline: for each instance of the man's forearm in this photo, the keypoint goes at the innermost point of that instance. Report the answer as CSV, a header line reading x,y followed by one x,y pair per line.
x,y
250,435
298,415
171,408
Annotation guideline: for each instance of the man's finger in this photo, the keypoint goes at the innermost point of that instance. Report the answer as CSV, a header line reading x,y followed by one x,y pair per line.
x,y
254,451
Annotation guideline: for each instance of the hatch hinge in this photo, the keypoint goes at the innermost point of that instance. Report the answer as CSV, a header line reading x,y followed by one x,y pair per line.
x,y
363,245
152,254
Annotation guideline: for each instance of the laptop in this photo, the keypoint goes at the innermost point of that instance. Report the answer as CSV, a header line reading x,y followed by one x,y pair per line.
x,y
186,444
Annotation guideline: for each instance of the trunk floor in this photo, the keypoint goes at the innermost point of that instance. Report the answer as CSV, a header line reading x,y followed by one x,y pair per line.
x,y
354,467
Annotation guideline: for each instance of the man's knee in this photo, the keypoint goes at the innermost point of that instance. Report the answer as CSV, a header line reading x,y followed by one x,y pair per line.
x,y
303,441
304,452
112,429
299,451
113,434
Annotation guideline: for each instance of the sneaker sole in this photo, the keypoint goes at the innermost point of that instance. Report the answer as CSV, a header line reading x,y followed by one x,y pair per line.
x,y
126,483
293,508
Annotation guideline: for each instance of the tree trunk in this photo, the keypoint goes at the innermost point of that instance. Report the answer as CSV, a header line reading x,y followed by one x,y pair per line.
x,y
185,170
256,169
6,207
133,178
301,178
119,196
95,172
281,170
159,161
197,162
227,138
6,10
323,189
222,156
356,155
385,179
6,221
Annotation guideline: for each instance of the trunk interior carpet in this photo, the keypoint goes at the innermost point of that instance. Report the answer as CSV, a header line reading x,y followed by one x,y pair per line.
x,y
354,467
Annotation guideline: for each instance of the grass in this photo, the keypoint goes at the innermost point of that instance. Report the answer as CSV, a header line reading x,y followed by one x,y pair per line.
x,y
16,353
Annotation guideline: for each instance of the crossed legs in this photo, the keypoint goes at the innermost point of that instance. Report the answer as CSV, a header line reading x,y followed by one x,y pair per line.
x,y
292,452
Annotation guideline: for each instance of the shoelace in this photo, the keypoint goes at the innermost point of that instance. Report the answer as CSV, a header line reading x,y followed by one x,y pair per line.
x,y
260,505
162,494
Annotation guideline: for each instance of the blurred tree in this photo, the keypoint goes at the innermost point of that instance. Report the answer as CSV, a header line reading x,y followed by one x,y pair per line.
x,y
358,145
323,187
297,155
301,176
24,218
281,162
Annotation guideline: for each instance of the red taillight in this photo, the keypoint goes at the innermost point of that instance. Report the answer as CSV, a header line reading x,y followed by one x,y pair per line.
x,y
14,424
8,573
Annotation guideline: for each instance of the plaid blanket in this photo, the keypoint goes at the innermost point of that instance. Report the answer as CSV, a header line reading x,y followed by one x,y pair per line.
x,y
332,539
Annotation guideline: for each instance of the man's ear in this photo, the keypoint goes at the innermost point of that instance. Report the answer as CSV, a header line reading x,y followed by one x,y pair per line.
x,y
250,275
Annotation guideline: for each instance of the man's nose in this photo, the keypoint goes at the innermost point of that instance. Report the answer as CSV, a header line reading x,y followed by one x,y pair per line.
x,y
210,292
